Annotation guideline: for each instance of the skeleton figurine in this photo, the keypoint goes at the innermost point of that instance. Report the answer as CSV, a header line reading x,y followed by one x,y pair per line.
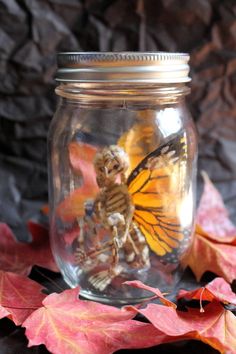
x,y
114,209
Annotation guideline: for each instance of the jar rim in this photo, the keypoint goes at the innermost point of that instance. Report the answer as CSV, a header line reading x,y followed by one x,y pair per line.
x,y
123,67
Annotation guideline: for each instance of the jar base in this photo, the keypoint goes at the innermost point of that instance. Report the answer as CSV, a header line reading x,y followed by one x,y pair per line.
x,y
119,294
115,302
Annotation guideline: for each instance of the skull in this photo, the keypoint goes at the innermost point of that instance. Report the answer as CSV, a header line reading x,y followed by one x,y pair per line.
x,y
109,163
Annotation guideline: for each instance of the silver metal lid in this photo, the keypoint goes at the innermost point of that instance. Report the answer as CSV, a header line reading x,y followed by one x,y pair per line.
x,y
123,67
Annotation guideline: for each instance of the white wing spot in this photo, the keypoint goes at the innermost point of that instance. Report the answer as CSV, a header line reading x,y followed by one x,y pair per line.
x,y
174,159
171,153
164,149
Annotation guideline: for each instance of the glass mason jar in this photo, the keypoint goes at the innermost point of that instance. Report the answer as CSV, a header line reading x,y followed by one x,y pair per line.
x,y
122,170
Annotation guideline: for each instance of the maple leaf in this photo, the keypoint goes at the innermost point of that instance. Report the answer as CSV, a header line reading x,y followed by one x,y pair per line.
x,y
19,296
214,239
66,324
81,158
157,292
212,215
217,290
19,257
72,206
216,257
216,326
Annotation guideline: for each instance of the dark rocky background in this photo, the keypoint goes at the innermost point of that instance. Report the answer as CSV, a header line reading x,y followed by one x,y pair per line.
x,y
32,31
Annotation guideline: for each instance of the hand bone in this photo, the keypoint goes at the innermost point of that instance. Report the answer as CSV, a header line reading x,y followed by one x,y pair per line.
x,y
116,219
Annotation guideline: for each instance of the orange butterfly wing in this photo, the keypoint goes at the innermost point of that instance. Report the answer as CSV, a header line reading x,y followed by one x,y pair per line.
x,y
156,186
137,142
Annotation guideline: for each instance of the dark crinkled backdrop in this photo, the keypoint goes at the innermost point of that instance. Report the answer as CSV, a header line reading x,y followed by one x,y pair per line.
x,y
33,31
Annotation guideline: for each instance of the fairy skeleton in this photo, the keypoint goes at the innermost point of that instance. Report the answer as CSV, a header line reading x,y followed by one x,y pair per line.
x,y
140,211
114,210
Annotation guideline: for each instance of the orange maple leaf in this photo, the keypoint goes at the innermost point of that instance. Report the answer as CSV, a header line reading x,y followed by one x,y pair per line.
x,y
81,157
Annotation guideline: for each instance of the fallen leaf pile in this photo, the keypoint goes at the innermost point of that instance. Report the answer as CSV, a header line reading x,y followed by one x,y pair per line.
x,y
66,324
214,325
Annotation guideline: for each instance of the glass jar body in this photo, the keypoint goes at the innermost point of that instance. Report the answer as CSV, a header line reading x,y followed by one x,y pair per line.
x,y
122,170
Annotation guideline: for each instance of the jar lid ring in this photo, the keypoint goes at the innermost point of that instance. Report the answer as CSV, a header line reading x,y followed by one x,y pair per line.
x,y
123,67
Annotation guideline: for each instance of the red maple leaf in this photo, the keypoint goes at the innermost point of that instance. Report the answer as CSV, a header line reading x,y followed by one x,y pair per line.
x,y
215,237
208,255
212,215
217,290
19,296
66,324
19,257
157,292
216,326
